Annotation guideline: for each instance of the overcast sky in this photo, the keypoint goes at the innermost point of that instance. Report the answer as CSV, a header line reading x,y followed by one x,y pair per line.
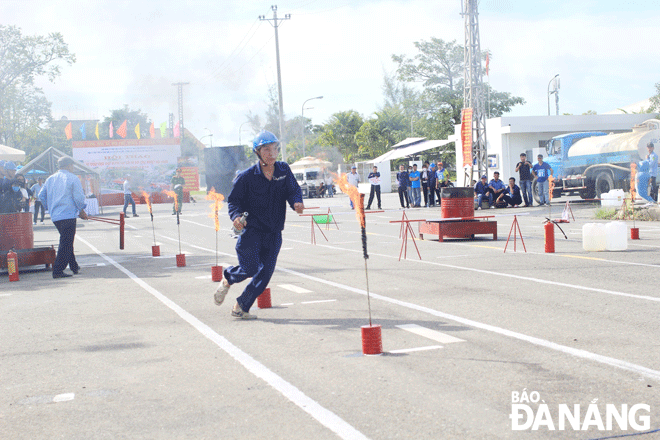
x,y
606,52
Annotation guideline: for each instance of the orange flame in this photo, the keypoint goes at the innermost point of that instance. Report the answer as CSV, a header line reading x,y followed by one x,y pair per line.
x,y
354,194
633,179
175,197
215,206
148,200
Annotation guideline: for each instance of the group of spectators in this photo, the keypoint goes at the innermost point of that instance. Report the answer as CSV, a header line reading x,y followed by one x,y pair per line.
x,y
427,182
501,195
16,193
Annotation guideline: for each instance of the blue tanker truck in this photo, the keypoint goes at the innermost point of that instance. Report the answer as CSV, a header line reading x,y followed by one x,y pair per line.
x,y
592,163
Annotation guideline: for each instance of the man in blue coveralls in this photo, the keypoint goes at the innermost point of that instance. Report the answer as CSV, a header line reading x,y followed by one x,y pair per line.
x,y
262,191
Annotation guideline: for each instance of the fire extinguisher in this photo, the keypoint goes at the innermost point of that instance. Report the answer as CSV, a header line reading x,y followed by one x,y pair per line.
x,y
12,265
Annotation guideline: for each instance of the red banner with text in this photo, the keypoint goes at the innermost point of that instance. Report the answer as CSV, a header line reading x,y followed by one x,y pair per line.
x,y
466,136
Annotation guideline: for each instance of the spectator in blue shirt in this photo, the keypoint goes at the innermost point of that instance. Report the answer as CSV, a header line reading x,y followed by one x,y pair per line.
x,y
496,187
262,191
63,196
441,179
481,190
416,186
38,206
542,171
402,180
511,196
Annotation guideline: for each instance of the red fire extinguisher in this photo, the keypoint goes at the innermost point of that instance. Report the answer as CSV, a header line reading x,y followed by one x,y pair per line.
x,y
12,265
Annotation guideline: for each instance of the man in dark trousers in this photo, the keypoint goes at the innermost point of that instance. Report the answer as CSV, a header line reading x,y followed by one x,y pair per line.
x,y
374,179
402,179
63,196
262,191
524,167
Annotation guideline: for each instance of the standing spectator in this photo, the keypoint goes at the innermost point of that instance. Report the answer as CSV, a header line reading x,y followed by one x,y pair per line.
x,y
440,181
411,199
374,179
38,206
542,171
353,179
128,196
9,192
432,180
63,196
511,196
176,184
496,187
524,167
25,193
481,190
424,177
416,186
652,157
402,180
327,178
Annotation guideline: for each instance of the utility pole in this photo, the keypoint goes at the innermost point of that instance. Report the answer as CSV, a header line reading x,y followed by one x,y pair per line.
x,y
473,93
275,23
180,87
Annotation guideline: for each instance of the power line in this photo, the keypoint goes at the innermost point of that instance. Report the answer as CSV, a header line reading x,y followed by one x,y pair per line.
x,y
233,52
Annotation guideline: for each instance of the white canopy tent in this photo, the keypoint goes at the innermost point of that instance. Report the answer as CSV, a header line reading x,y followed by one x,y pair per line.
x,y
410,150
9,153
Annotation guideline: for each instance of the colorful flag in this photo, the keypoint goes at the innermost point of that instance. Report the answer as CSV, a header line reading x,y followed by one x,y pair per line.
x,y
163,130
177,131
152,131
67,131
82,132
121,131
96,132
137,130
111,131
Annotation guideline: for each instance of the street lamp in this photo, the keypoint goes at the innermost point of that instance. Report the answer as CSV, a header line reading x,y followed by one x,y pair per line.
x,y
239,132
303,123
554,91
210,135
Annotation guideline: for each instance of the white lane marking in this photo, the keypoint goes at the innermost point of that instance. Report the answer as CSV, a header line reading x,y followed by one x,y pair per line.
x,y
324,416
431,334
92,264
64,397
286,304
506,275
410,350
5,294
137,236
617,363
285,249
130,226
293,288
204,277
320,301
188,265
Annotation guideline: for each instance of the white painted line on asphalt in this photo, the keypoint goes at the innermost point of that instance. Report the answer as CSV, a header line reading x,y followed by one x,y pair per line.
x,y
204,277
64,397
5,294
431,334
324,416
617,363
187,265
410,350
319,301
92,265
286,304
293,288
286,249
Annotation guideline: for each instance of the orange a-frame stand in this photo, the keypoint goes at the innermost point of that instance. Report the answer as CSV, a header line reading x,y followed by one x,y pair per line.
x,y
515,228
403,233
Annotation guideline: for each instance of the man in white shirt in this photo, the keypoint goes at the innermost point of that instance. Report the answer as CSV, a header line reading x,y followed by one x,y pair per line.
x,y
374,179
128,196
353,179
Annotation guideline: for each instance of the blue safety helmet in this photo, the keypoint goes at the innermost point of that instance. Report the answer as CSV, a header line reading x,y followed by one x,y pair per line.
x,y
264,138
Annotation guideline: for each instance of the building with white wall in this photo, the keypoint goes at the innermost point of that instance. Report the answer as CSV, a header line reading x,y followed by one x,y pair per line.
x,y
508,136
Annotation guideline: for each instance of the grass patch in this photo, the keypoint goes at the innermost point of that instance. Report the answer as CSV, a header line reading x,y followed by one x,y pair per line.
x,y
606,213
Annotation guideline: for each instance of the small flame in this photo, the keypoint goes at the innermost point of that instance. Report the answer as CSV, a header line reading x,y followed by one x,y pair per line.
x,y
551,185
633,180
215,206
175,197
148,200
354,194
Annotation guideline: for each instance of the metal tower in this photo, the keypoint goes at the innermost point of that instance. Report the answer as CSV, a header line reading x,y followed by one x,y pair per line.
x,y
473,96
180,88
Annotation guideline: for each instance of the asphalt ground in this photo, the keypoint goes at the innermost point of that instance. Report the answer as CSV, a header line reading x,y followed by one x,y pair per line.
x,y
134,347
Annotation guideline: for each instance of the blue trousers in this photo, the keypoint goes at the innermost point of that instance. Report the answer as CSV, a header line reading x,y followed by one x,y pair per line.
x,y
526,190
257,256
128,198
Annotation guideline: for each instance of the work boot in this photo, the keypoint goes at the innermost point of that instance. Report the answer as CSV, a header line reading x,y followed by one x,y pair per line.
x,y
237,312
220,294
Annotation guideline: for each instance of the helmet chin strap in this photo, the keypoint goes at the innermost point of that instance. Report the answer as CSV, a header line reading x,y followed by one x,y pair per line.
x,y
263,163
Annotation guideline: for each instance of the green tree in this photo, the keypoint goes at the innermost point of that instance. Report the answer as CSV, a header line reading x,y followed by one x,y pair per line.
x,y
25,113
339,132
655,100
389,126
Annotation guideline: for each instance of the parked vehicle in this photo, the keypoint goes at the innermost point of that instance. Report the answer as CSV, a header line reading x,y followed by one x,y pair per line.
x,y
309,180
593,163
